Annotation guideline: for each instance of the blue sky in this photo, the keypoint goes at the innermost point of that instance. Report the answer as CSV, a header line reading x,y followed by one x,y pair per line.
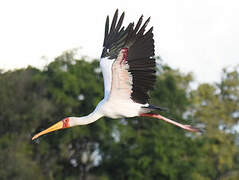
x,y
195,36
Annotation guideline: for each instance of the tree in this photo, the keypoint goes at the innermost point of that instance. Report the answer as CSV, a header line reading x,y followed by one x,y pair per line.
x,y
74,87
21,101
129,148
216,106
148,148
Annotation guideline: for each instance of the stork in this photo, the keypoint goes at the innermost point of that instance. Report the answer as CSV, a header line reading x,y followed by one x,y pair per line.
x,y
128,67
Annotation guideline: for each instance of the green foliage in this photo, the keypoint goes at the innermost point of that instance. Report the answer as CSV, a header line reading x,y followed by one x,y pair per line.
x,y
151,149
135,148
217,106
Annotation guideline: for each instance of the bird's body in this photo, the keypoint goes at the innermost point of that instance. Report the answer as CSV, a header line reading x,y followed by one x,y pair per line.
x,y
117,102
128,67
120,108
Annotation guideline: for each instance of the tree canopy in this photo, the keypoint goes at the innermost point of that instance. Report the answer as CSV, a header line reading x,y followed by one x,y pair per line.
x,y
135,148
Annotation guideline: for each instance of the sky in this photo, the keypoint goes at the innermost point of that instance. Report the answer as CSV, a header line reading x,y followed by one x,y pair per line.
x,y
194,36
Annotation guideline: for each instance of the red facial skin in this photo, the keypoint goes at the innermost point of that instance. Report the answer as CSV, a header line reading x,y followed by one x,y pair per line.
x,y
65,123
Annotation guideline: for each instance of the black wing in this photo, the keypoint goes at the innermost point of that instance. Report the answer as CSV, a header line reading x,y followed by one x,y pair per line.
x,y
115,37
140,58
141,61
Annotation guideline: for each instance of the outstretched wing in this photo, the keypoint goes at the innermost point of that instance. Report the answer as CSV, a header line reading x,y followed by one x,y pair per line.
x,y
133,70
141,61
115,37
114,41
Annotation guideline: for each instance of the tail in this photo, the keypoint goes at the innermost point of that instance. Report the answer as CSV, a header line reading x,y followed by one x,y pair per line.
x,y
153,107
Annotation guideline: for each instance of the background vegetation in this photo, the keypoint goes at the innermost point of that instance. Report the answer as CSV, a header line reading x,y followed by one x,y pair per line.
x,y
126,149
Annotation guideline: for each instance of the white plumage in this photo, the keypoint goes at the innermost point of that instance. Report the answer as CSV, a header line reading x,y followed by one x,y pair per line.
x,y
118,88
128,67
106,68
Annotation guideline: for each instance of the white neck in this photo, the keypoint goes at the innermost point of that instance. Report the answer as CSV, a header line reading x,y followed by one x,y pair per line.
x,y
92,117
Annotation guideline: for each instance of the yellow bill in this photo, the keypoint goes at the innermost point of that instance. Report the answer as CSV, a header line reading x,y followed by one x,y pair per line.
x,y
55,127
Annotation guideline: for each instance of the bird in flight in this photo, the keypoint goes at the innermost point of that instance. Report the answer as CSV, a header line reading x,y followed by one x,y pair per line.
x,y
128,67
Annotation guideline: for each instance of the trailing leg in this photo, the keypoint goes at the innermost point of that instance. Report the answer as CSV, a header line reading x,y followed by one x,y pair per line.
x,y
186,127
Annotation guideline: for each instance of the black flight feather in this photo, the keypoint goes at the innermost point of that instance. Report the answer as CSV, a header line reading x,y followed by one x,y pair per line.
x,y
140,58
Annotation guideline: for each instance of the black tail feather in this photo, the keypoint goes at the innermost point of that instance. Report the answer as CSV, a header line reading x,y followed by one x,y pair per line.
x,y
153,107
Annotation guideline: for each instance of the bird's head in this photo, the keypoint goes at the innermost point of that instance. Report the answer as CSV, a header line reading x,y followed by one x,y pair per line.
x,y
65,123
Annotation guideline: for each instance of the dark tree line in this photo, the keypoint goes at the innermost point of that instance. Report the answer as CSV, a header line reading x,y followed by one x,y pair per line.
x,y
126,149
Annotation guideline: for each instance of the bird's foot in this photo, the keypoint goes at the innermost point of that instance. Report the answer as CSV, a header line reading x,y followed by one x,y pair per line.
x,y
190,128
